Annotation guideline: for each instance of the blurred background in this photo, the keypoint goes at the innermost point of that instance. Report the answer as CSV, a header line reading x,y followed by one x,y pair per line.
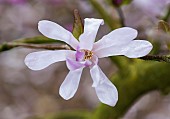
x,y
26,94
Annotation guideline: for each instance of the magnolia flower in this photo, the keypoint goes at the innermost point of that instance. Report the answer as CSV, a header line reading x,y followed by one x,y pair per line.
x,y
86,54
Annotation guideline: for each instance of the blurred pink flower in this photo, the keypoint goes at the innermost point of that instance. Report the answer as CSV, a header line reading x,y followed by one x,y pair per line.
x,y
13,1
153,8
55,2
86,54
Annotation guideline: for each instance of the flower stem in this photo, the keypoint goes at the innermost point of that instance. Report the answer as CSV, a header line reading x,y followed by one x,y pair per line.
x,y
167,15
40,46
121,16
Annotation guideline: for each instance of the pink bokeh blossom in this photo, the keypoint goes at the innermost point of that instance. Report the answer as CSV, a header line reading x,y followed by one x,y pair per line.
x,y
13,1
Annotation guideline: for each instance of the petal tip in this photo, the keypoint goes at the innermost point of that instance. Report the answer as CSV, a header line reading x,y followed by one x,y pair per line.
x,y
132,29
101,21
112,102
29,62
138,48
64,95
41,22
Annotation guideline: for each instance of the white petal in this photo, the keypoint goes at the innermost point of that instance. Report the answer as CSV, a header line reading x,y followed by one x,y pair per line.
x,y
91,27
117,37
55,31
133,49
107,93
95,60
70,85
94,71
110,51
105,90
138,48
42,59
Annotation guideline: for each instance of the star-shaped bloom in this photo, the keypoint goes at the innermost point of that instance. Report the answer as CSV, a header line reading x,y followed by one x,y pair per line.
x,y
86,54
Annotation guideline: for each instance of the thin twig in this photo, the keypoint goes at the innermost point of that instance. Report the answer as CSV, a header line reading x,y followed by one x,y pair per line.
x,y
10,45
158,58
28,42
40,46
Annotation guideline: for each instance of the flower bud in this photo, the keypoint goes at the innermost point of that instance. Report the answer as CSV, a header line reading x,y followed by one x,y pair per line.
x,y
117,3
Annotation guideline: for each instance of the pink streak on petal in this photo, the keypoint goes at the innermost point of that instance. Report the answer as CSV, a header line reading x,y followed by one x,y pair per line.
x,y
79,55
88,63
95,59
73,65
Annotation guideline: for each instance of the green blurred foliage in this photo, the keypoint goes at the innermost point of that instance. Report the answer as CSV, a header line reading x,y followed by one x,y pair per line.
x,y
125,2
163,26
67,115
136,79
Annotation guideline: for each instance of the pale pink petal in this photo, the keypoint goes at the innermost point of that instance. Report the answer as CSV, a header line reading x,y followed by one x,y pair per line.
x,y
150,8
88,63
94,60
55,31
73,64
105,90
70,85
91,27
79,54
134,49
117,37
71,55
42,59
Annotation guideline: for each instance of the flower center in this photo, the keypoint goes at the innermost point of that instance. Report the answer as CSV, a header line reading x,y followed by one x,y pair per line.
x,y
87,54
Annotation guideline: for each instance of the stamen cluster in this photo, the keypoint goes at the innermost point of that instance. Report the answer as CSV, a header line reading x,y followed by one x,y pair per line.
x,y
87,54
